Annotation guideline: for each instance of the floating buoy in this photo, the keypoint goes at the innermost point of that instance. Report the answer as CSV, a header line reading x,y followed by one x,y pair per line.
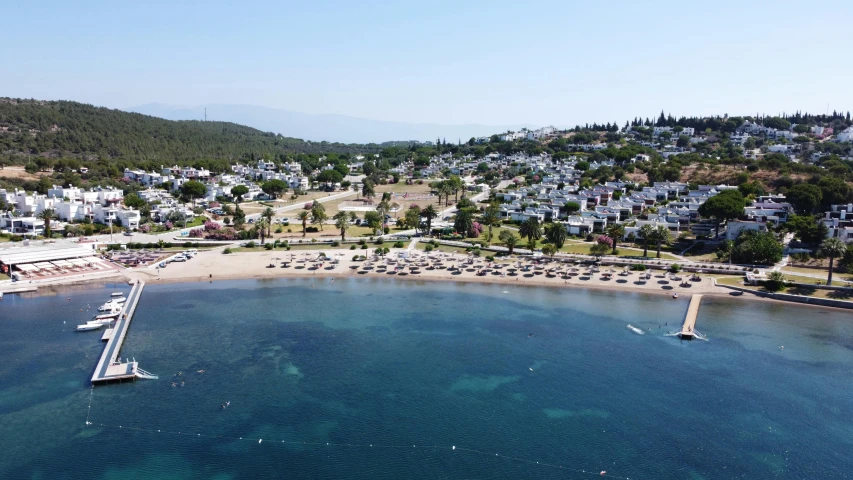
x,y
261,440
454,447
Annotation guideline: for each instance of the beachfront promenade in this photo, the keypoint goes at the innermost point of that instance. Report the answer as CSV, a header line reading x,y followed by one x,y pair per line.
x,y
109,366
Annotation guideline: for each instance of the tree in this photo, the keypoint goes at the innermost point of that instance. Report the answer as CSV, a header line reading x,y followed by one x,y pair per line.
x,y
490,218
193,189
237,192
456,184
342,223
429,213
464,222
132,200
723,206
261,227
683,141
804,197
268,214
775,281
549,249
509,239
47,215
832,248
373,220
571,207
647,232
806,228
531,230
330,176
752,246
318,215
239,217
303,217
615,231
367,188
556,233
412,218
661,236
274,187
601,246
835,190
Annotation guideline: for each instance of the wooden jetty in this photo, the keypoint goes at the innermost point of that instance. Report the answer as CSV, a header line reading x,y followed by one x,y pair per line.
x,y
688,329
110,367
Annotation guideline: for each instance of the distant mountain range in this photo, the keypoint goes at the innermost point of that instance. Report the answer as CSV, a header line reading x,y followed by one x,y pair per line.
x,y
331,128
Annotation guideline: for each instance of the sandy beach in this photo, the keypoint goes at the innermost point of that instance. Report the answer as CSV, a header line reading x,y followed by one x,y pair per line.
x,y
212,265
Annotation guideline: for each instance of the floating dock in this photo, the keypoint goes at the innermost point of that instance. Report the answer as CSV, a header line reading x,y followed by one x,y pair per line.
x,y
688,330
110,367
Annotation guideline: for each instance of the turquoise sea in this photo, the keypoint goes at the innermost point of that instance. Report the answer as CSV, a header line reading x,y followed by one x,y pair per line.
x,y
380,379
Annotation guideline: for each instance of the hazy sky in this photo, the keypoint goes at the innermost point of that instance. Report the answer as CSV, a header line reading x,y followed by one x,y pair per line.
x,y
491,62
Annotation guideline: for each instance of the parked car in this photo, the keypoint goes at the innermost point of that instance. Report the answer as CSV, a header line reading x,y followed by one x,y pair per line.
x,y
180,258
128,233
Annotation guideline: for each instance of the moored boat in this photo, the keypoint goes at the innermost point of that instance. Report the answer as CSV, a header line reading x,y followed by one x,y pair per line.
x,y
89,326
636,330
117,294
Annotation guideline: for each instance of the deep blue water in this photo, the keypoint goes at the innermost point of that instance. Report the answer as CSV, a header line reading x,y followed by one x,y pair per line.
x,y
416,368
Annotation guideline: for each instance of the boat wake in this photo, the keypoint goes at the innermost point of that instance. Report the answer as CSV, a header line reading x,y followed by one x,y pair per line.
x,y
638,331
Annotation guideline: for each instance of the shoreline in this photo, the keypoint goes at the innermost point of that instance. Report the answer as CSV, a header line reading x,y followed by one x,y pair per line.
x,y
212,265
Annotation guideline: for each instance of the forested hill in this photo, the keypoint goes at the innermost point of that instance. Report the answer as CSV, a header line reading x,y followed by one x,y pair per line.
x,y
71,129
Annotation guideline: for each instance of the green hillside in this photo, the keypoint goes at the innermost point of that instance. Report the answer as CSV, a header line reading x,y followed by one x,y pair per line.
x,y
61,129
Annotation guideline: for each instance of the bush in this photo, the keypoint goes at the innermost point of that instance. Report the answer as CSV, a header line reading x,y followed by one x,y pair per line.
x,y
775,281
226,251
251,244
398,244
490,258
428,248
279,229
355,258
352,247
379,241
312,229
675,268
268,246
336,243
638,267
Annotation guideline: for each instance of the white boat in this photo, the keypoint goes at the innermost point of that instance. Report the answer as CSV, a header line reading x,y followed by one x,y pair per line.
x,y
118,300
106,316
638,331
116,294
89,326
109,307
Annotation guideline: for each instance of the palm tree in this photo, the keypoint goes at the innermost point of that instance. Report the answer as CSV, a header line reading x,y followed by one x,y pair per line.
x,y
661,236
262,228
342,222
530,229
647,232
429,212
47,215
509,239
446,189
615,231
303,217
556,233
490,218
832,247
268,213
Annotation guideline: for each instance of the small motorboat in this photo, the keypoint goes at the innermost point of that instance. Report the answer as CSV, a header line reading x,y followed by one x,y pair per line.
x,y
116,294
89,326
675,295
109,307
118,300
638,331
106,316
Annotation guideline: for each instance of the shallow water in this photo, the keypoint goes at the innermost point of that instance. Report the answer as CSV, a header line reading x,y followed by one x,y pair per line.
x,y
414,369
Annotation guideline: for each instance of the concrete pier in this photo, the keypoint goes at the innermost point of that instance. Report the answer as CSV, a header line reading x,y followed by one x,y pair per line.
x,y
688,329
110,366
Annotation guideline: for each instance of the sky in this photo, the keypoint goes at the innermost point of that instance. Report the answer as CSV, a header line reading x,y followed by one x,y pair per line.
x,y
492,62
